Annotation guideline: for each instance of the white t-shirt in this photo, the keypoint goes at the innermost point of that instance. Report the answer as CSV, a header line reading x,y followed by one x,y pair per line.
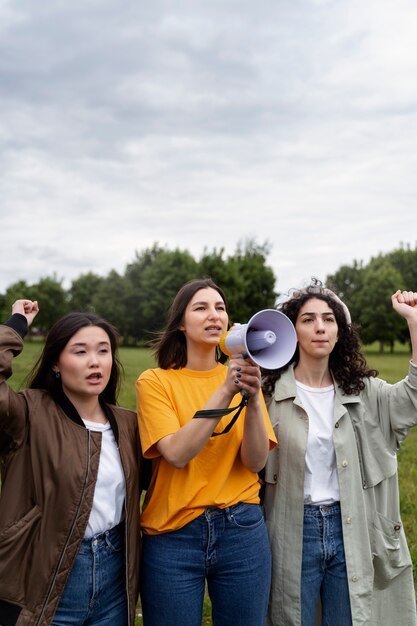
x,y
110,490
321,482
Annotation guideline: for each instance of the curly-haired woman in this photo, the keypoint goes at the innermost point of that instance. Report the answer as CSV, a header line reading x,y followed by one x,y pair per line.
x,y
331,487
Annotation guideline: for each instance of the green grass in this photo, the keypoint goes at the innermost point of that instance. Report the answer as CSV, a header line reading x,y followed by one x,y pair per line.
x,y
391,367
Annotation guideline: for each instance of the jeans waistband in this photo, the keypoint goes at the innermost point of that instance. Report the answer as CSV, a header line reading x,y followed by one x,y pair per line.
x,y
320,510
112,532
212,512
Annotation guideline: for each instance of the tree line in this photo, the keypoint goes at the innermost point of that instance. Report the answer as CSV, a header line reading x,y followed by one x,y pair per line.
x,y
137,300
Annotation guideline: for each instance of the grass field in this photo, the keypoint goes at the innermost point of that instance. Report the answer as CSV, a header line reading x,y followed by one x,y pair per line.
x,y
391,367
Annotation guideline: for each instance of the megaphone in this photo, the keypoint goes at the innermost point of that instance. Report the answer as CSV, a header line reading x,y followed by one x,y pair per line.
x,y
269,339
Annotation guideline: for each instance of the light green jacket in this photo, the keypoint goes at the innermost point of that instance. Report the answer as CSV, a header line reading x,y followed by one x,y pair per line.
x,y
368,430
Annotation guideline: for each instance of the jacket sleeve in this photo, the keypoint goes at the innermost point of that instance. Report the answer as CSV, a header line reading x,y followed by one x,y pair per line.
x,y
13,406
395,405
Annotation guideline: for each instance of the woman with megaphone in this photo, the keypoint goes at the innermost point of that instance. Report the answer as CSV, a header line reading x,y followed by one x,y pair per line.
x,y
202,523
331,489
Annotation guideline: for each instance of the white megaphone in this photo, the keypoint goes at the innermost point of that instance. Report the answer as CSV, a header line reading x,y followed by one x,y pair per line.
x,y
269,339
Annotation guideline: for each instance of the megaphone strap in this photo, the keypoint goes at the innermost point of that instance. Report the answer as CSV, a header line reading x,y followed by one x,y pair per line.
x,y
222,412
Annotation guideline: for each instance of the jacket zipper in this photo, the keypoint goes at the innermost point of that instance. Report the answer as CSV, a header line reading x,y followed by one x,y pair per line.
x,y
125,542
70,531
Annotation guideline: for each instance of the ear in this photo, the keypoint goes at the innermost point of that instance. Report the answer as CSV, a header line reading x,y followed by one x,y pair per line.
x,y
55,368
181,327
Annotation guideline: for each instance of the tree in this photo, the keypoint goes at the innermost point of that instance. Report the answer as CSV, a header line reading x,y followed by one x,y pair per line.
x,y
160,281
82,291
52,299
110,301
134,276
404,259
347,283
378,320
253,287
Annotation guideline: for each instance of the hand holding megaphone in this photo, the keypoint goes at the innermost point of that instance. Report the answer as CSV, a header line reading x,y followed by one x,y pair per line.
x,y
268,339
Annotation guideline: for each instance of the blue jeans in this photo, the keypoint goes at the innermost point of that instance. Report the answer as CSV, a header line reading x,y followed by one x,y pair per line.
x,y
95,592
226,548
324,568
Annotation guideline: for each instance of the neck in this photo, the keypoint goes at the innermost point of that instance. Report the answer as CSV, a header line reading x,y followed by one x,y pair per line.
x,y
315,374
201,360
88,408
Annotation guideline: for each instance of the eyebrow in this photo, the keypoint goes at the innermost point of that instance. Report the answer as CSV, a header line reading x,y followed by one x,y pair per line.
x,y
205,302
315,313
83,343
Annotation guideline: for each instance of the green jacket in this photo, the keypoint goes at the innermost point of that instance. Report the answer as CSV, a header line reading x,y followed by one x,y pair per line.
x,y
368,429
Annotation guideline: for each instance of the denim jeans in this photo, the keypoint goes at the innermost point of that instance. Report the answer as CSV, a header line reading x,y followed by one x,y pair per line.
x,y
324,568
227,549
95,592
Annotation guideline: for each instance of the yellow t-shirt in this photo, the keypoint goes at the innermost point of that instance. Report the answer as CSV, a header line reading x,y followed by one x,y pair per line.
x,y
216,477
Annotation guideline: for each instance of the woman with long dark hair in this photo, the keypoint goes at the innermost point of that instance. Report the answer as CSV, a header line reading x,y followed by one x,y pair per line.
x,y
331,487
202,522
69,506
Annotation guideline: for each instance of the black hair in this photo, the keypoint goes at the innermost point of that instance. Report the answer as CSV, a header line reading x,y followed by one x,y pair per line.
x,y
42,375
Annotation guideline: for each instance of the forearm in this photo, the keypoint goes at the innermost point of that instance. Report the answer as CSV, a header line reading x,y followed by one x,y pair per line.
x,y
12,405
255,443
412,326
182,446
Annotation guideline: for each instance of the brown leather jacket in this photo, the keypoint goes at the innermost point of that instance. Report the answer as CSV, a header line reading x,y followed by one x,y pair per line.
x,y
49,464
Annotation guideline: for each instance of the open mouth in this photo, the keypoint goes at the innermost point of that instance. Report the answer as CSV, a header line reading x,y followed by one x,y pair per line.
x,y
95,376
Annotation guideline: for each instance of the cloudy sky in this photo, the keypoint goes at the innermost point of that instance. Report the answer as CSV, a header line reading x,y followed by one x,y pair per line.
x,y
196,124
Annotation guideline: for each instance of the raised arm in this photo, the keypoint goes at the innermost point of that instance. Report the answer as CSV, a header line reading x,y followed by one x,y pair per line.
x,y
405,304
13,406
28,308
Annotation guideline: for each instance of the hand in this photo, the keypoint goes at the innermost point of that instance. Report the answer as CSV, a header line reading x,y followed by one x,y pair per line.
x,y
28,308
245,376
405,304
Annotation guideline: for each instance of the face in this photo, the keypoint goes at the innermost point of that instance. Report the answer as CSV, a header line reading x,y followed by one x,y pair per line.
x,y
317,329
85,363
205,319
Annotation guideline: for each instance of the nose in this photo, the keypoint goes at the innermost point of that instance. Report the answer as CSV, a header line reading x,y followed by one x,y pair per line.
x,y
93,360
319,325
213,313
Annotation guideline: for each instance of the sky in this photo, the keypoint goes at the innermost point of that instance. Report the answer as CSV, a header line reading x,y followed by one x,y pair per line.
x,y
201,124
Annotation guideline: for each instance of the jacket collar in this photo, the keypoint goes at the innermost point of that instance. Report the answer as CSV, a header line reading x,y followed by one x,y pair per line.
x,y
71,412
285,388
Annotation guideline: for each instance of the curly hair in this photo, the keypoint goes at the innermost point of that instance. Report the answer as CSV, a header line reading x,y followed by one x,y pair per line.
x,y
347,362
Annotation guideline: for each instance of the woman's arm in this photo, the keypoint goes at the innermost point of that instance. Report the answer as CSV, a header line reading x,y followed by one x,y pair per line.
x,y
182,446
405,304
255,444
12,405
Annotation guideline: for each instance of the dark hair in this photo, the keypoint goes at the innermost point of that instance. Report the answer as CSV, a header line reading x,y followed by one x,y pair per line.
x,y
170,349
346,361
42,375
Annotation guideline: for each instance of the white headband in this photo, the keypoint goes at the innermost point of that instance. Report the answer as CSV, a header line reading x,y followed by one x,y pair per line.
x,y
327,292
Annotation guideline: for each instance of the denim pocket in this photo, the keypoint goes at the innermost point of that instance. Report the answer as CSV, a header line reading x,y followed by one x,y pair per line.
x,y
114,541
246,516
